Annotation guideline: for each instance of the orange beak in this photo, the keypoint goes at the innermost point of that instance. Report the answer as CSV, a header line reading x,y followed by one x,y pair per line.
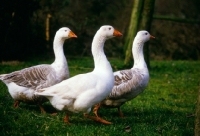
x,y
152,37
72,35
116,33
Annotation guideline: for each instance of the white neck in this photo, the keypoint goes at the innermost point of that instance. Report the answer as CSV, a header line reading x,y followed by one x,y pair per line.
x,y
100,60
59,52
138,56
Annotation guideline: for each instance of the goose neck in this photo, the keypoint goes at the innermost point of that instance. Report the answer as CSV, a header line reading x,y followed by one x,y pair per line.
x,y
99,56
58,50
138,55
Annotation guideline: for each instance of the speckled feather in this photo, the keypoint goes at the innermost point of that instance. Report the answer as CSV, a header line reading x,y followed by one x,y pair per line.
x,y
127,81
23,83
131,82
34,77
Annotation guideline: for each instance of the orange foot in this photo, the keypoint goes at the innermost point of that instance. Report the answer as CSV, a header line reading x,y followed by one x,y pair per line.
x,y
98,119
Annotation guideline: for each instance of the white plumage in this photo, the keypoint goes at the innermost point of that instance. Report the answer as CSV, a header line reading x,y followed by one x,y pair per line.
x,y
131,82
23,83
81,92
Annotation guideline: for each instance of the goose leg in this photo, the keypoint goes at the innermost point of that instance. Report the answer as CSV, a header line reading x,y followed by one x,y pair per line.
x,y
98,119
120,112
41,108
16,104
66,119
96,108
54,114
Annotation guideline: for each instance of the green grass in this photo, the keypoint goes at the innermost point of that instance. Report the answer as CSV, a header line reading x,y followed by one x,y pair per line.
x,y
166,107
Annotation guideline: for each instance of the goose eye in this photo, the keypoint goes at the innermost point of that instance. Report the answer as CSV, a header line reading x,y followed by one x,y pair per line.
x,y
146,33
65,30
109,28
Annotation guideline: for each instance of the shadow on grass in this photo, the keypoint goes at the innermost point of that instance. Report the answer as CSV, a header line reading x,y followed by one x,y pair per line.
x,y
161,120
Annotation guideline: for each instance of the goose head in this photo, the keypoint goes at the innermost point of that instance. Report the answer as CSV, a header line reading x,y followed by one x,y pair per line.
x,y
108,32
144,36
65,33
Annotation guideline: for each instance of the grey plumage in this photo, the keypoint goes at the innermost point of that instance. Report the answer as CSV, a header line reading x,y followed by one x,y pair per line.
x,y
23,83
129,80
129,83
36,77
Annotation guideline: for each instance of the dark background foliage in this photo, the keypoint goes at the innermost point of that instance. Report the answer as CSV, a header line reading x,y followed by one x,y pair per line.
x,y
177,40
22,25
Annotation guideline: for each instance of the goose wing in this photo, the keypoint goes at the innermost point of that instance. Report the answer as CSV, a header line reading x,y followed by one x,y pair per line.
x,y
126,81
32,77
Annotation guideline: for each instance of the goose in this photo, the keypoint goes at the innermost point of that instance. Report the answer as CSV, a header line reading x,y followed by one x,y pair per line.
x,y
129,83
79,93
23,83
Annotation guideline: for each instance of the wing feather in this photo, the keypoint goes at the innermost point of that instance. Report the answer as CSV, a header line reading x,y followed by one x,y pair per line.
x,y
30,77
126,81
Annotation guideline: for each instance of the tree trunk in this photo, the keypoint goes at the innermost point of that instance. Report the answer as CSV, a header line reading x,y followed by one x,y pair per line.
x,y
133,27
47,31
197,120
145,24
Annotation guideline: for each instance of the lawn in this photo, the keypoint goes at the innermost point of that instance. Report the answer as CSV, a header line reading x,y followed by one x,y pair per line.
x,y
166,107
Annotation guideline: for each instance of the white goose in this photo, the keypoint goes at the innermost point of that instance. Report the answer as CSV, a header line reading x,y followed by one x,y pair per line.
x,y
23,83
81,92
131,82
